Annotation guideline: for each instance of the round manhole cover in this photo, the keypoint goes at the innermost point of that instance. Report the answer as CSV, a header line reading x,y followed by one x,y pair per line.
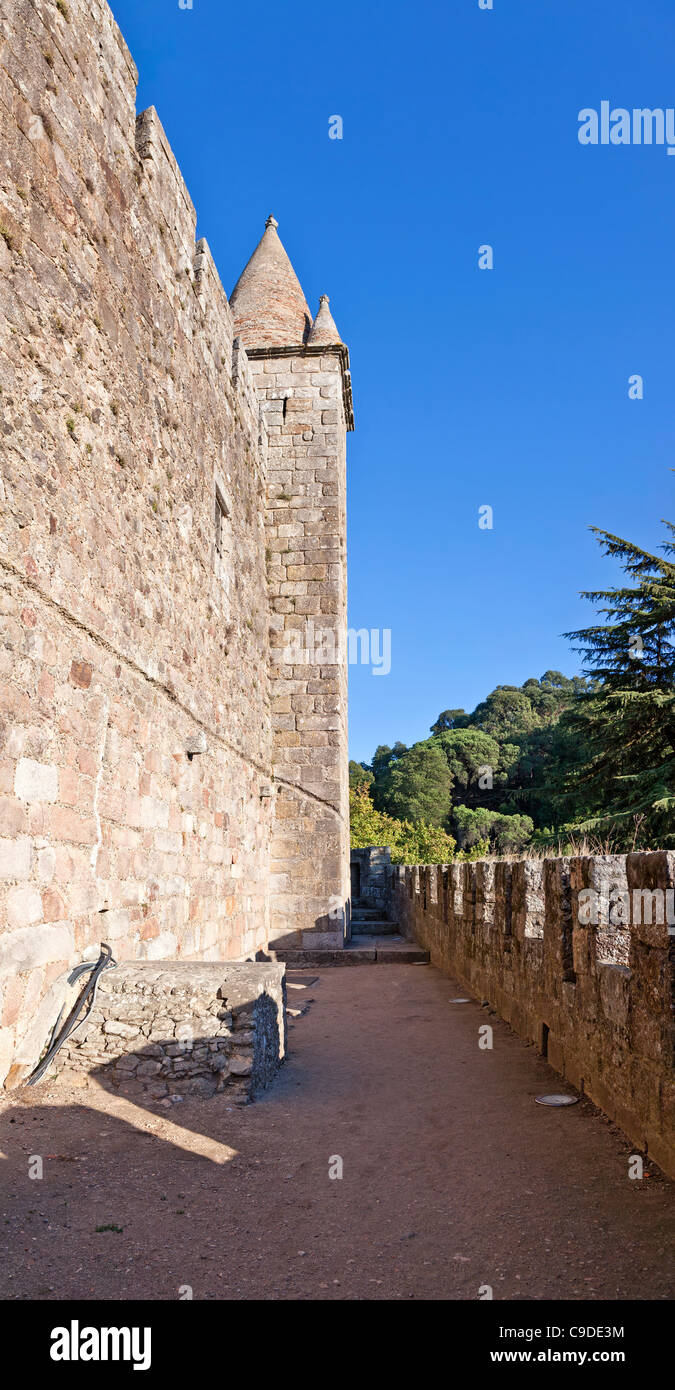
x,y
556,1100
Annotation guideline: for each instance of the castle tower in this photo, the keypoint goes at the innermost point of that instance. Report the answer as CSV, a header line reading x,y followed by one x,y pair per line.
x,y
301,371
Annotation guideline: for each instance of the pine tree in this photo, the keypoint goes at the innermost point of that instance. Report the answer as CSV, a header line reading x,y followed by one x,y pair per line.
x,y
417,785
623,729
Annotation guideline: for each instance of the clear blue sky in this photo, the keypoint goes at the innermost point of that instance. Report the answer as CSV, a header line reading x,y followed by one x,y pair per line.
x,y
507,388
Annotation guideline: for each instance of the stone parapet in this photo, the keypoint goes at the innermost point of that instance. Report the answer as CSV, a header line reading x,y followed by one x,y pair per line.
x,y
578,956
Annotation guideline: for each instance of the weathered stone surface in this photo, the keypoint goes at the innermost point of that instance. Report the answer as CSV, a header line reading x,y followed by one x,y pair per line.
x,y
596,998
231,1017
15,858
169,782
267,301
31,947
305,530
240,1066
35,781
370,876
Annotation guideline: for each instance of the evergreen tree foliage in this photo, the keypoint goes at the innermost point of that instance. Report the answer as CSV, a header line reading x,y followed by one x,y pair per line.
x,y
360,775
416,786
621,733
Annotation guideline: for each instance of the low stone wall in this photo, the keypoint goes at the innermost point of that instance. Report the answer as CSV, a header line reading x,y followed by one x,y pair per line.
x,y
183,1028
572,954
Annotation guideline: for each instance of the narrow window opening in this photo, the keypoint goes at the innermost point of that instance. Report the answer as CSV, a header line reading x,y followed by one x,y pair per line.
x,y
567,935
355,870
221,514
285,406
508,902
545,1030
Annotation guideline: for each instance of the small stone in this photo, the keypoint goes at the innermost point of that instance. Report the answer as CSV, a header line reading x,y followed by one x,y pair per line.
x,y
121,1030
241,1066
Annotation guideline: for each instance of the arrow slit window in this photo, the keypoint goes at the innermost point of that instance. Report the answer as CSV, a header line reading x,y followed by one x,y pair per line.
x,y
222,518
222,538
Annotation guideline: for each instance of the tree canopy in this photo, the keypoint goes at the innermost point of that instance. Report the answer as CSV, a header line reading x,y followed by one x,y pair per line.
x,y
409,844
416,785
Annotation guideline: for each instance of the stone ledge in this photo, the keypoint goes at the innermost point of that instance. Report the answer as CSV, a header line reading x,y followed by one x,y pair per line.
x,y
184,1028
358,955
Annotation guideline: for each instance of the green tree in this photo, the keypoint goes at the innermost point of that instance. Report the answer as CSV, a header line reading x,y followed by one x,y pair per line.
x,y
505,834
360,775
622,776
515,731
409,844
505,714
470,753
449,719
417,785
384,756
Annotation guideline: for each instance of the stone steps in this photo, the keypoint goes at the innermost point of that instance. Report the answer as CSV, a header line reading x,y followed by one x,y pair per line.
x,y
361,950
369,920
379,926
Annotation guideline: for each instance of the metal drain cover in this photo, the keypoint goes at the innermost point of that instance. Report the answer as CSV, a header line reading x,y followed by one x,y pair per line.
x,y
556,1100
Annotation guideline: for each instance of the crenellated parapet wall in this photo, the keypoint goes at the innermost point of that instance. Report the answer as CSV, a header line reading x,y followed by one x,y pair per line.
x,y
578,956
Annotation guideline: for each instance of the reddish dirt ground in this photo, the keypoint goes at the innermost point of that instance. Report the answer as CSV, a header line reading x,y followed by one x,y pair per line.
x,y
452,1177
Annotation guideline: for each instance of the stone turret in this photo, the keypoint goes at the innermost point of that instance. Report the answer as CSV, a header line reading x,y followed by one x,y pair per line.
x,y
301,371
324,329
269,307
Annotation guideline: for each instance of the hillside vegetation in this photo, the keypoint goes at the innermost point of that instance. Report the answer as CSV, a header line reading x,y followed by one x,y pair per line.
x,y
555,760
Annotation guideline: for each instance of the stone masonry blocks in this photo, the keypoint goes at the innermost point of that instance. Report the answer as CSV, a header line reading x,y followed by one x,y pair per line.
x,y
308,592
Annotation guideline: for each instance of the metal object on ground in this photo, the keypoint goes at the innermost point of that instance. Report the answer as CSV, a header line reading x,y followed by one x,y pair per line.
x,y
71,1025
558,1100
460,1001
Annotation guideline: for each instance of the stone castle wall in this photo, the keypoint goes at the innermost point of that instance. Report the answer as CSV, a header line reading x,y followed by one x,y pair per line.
x,y
131,640
596,1000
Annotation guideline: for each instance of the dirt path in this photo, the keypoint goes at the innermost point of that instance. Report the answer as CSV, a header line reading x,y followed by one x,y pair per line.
x,y
452,1177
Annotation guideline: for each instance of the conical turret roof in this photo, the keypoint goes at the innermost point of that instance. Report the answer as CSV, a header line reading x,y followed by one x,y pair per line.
x,y
269,307
324,330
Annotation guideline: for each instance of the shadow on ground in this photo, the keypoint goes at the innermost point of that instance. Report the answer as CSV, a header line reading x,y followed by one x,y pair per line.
x,y
452,1177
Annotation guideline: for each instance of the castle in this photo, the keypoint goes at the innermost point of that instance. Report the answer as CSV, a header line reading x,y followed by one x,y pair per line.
x,y
172,513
